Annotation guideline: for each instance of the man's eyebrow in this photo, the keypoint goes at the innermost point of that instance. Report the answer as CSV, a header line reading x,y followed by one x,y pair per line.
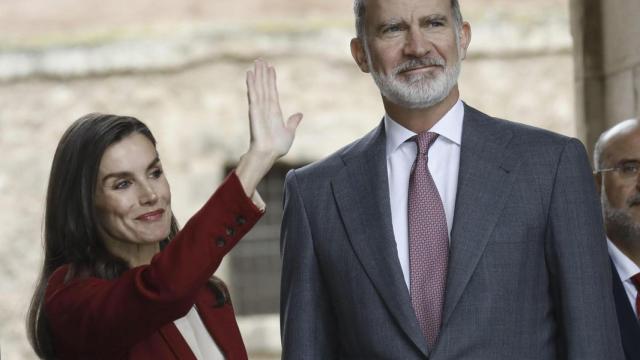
x,y
434,17
628,160
389,22
398,21
124,174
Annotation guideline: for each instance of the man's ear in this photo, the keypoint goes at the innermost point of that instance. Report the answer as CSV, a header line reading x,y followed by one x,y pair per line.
x,y
465,39
359,54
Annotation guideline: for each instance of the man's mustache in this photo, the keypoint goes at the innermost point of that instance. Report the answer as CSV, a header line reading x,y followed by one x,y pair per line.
x,y
418,63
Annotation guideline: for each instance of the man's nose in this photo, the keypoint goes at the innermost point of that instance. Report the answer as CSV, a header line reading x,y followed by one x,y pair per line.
x,y
416,43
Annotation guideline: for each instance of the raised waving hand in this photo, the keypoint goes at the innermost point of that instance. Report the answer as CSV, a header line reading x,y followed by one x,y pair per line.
x,y
271,136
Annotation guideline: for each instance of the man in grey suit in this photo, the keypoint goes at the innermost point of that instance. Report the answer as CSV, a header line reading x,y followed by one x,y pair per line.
x,y
443,233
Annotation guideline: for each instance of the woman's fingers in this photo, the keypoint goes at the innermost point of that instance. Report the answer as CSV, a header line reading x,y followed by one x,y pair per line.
x,y
274,99
270,132
262,87
273,87
262,68
251,87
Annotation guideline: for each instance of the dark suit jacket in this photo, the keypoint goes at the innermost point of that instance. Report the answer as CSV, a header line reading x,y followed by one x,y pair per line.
x,y
528,273
132,316
629,327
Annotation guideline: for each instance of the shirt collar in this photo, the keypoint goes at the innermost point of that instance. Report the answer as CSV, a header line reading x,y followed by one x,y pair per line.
x,y
626,267
449,127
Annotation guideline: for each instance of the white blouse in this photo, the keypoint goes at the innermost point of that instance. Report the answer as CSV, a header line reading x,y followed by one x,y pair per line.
x,y
197,337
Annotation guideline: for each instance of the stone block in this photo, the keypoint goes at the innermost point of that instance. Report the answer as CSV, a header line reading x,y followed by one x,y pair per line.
x,y
590,119
636,84
619,97
621,31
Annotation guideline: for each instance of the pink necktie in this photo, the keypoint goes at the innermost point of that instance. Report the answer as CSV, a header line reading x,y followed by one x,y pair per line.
x,y
636,281
428,243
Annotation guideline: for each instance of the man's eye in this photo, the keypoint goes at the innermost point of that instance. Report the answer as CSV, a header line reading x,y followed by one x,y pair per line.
x,y
123,184
630,168
436,23
391,28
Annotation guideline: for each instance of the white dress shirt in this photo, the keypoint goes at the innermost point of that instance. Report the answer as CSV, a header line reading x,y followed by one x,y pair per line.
x,y
197,337
444,163
626,269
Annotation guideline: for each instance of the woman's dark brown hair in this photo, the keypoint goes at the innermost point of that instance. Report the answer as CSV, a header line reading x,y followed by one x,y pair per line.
x,y
70,223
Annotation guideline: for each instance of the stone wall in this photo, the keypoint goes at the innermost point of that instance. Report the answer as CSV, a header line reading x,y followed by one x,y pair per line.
x,y
607,63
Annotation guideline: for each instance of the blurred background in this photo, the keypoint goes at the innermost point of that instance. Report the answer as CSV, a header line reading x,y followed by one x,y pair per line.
x,y
179,66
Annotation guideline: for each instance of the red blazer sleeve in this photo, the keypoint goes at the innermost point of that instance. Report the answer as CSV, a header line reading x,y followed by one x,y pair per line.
x,y
96,316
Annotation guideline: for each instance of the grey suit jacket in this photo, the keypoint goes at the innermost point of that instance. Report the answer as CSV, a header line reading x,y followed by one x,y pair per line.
x,y
528,275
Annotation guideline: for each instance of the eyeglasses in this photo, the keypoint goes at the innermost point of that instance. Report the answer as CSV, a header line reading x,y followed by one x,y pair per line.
x,y
627,170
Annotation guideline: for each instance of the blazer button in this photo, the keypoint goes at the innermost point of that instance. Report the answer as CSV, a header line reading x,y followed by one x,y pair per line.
x,y
220,241
240,220
231,231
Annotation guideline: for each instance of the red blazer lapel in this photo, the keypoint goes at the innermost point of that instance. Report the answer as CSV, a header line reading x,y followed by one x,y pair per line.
x,y
221,323
176,342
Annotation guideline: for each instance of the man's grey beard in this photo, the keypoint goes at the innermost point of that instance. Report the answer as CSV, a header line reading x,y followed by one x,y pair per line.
x,y
620,225
421,90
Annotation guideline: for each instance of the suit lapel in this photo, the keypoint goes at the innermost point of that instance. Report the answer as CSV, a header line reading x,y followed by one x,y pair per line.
x,y
204,303
483,184
361,191
629,327
176,342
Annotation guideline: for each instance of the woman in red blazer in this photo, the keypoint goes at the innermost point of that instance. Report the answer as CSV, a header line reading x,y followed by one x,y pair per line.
x,y
119,281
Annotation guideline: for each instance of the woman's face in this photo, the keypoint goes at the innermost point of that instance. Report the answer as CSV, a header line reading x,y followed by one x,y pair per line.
x,y
133,199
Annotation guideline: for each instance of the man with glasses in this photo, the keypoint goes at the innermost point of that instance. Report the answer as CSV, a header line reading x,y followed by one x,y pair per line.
x,y
617,162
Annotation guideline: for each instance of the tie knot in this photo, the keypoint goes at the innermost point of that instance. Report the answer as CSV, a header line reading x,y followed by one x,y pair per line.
x,y
424,140
636,280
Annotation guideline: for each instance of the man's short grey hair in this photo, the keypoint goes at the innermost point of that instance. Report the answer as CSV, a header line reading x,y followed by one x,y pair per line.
x,y
597,152
359,10
603,139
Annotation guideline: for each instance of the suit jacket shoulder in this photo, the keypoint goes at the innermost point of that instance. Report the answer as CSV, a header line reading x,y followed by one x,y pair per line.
x,y
336,160
520,135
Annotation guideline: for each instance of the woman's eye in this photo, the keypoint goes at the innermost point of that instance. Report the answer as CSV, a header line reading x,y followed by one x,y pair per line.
x,y
123,184
156,173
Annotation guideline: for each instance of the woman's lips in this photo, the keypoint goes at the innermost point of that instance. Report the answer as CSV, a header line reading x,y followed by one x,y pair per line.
x,y
151,216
